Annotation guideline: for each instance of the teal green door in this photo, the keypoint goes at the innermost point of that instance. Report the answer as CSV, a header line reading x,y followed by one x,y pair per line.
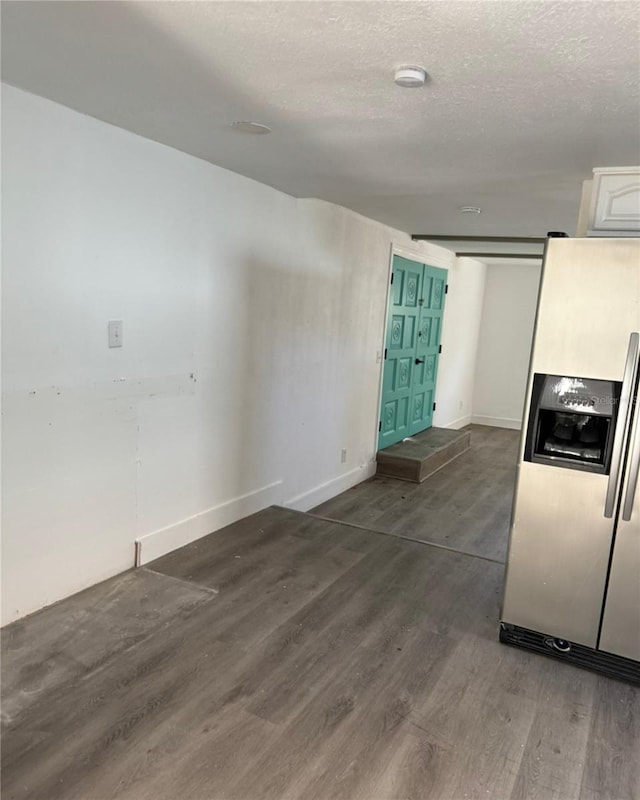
x,y
414,327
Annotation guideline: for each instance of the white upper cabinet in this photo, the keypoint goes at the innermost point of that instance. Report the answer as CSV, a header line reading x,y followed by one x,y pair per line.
x,y
615,202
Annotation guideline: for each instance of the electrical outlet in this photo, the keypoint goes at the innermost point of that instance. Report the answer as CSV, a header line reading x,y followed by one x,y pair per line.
x,y
461,405
343,455
115,333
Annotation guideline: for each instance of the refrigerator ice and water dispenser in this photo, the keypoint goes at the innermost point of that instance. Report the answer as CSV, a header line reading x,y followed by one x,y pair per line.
x,y
572,422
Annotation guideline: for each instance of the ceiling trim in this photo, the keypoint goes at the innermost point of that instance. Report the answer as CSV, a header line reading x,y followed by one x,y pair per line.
x,y
442,237
537,256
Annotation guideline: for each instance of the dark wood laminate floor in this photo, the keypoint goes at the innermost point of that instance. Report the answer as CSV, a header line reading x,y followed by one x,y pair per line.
x,y
290,657
465,506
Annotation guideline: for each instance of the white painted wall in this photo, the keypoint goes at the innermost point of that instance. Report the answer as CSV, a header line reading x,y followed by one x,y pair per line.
x,y
456,371
504,349
252,325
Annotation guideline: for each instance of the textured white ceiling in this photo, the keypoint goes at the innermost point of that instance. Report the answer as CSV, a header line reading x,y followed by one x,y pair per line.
x,y
524,98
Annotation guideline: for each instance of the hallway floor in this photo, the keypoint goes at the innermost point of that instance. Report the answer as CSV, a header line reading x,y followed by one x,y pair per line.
x,y
465,506
289,657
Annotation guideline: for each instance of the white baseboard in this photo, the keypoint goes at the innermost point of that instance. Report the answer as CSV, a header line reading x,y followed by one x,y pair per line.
x,y
461,422
324,492
159,543
497,422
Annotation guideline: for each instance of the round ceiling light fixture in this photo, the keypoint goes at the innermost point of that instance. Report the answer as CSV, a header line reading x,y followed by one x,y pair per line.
x,y
470,210
245,126
410,77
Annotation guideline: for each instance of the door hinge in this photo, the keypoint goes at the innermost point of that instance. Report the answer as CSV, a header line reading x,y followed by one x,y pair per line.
x,y
446,289
392,277
439,348
421,301
379,426
385,353
434,406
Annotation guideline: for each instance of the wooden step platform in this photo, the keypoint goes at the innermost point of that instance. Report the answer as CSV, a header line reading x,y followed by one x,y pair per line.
x,y
421,455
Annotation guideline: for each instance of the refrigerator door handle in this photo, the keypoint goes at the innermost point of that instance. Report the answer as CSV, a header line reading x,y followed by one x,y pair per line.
x,y
622,424
634,467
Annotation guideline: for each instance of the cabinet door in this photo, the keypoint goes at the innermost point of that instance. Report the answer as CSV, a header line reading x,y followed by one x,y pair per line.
x,y
615,205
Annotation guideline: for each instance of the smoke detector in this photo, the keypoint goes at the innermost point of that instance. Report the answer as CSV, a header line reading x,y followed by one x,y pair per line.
x,y
410,77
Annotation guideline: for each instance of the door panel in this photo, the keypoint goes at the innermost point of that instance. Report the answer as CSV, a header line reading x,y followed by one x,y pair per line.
x,y
412,344
427,347
578,332
621,624
558,553
402,331
620,632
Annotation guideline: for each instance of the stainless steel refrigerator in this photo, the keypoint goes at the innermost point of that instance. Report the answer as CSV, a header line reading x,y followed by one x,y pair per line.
x,y
572,584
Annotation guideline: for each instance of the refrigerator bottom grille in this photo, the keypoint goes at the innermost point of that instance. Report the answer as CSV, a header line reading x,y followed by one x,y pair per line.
x,y
623,669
